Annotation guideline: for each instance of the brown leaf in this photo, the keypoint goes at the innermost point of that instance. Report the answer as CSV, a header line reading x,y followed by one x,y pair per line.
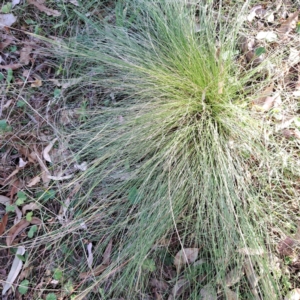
x,y
234,276
25,55
30,206
178,288
36,83
250,274
15,230
4,200
48,149
288,25
185,256
11,67
7,41
36,221
267,99
208,293
96,272
286,247
34,181
107,254
41,7
159,285
3,223
231,295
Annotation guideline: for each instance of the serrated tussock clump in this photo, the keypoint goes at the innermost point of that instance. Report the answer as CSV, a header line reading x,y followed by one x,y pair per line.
x,y
171,157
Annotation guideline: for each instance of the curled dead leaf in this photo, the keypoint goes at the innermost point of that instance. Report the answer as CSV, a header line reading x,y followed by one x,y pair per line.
x,y
30,206
15,230
25,55
234,276
48,149
178,288
90,257
185,256
288,25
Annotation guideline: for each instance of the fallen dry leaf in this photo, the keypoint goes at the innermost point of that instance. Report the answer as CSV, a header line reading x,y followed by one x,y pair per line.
x,y
90,257
11,67
25,55
22,163
47,150
6,41
107,254
178,288
159,285
269,36
15,230
288,25
231,295
30,206
34,181
96,272
14,271
233,277
41,7
254,12
36,221
6,20
19,215
267,100
3,223
185,256
251,277
294,57
36,83
208,293
81,167
4,200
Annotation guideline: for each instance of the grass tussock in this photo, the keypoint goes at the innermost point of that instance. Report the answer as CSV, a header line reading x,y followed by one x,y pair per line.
x,y
176,157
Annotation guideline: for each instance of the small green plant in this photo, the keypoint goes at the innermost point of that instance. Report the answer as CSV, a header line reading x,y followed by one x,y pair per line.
x,y
179,154
6,8
57,275
23,287
51,296
33,229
